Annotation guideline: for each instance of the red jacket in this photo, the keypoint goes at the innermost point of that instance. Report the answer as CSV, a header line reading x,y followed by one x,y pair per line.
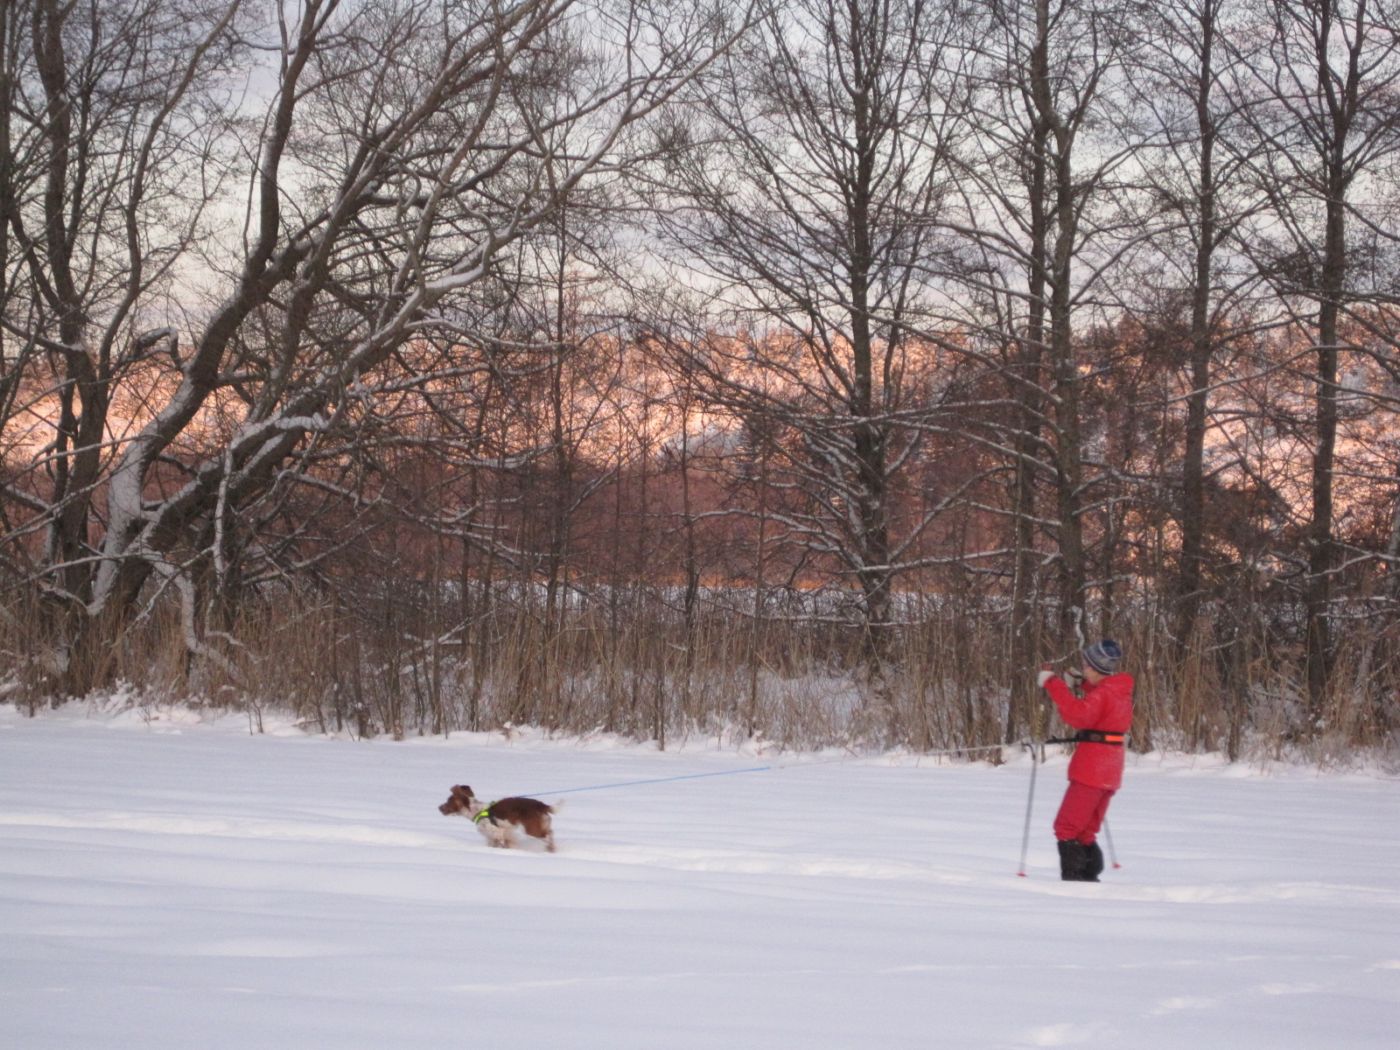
x,y
1107,707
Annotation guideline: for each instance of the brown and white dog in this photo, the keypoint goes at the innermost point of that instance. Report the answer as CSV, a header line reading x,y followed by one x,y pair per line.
x,y
499,821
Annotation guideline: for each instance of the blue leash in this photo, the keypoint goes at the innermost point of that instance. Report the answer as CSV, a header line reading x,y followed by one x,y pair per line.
x,y
658,780
750,769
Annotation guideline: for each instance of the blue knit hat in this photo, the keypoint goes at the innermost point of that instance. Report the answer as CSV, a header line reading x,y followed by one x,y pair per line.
x,y
1104,657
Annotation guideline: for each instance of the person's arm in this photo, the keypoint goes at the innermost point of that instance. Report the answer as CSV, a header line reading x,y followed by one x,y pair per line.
x,y
1079,712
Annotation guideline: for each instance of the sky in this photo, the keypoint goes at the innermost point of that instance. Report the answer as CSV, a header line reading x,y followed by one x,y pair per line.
x,y
170,880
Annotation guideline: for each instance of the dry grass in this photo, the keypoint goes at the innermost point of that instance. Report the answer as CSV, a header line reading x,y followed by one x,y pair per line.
x,y
392,664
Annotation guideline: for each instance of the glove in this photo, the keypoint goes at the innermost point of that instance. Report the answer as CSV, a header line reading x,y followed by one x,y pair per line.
x,y
1043,677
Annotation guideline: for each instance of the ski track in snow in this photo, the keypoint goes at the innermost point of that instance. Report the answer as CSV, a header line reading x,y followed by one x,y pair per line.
x,y
167,883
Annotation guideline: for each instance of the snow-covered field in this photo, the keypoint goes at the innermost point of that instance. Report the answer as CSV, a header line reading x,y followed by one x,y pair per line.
x,y
174,884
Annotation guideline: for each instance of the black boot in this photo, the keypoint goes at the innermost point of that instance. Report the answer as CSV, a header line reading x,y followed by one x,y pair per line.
x,y
1093,862
1071,860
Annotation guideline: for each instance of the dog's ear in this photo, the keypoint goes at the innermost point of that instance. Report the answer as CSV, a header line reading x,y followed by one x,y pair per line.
x,y
462,790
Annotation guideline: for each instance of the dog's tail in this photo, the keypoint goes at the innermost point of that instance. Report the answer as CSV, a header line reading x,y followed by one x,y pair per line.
x,y
557,804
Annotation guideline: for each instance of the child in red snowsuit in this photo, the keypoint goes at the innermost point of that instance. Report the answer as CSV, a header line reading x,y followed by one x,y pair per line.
x,y
1103,716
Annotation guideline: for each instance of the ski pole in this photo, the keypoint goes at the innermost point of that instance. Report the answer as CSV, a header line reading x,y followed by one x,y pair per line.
x,y
1112,853
1030,798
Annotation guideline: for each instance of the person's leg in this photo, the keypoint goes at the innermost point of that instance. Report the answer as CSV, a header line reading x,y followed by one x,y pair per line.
x,y
1076,824
1093,856
1077,812
1095,818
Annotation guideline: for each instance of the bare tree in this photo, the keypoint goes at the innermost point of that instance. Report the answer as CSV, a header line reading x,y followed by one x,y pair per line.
x,y
1324,107
816,163
402,147
114,151
1045,183
1195,53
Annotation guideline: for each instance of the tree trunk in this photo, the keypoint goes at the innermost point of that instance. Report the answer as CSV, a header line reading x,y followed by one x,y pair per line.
x,y
1192,510
1321,552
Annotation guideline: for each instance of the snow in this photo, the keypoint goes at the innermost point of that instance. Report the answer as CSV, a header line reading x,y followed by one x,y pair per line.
x,y
172,881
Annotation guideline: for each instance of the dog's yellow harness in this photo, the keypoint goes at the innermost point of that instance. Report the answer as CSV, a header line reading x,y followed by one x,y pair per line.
x,y
485,814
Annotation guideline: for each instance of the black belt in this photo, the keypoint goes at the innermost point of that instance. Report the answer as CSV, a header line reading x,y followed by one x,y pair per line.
x,y
1091,736
1098,736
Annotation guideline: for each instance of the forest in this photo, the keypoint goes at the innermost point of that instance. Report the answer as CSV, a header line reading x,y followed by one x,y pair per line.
x,y
805,370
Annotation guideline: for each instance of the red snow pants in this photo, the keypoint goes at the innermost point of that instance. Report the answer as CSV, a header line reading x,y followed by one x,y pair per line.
x,y
1082,812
